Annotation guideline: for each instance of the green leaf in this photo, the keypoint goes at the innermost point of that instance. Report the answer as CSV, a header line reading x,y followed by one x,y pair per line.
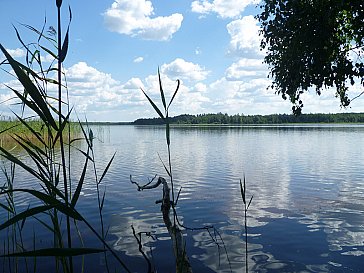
x,y
174,94
64,49
102,200
36,134
29,148
56,252
76,195
25,214
6,208
161,90
49,52
18,162
168,131
242,191
30,88
28,103
61,127
164,165
154,106
107,168
51,201
251,199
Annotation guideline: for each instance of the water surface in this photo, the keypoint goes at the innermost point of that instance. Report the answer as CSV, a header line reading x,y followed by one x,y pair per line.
x,y
307,183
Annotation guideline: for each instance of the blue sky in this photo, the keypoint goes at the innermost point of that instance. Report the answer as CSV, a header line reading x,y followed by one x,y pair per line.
x,y
116,47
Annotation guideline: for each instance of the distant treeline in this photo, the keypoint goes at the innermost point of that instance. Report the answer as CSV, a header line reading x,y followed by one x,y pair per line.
x,y
221,118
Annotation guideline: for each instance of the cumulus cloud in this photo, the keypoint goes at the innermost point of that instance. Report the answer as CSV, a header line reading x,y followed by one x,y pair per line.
x,y
134,17
249,96
244,68
138,60
244,36
15,53
101,97
224,8
181,69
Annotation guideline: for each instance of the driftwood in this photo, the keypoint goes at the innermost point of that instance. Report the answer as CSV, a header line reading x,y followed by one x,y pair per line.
x,y
179,246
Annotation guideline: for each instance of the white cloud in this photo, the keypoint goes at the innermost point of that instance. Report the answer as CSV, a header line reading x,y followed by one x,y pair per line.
x,y
247,68
133,17
133,83
245,36
16,53
181,69
199,87
47,58
224,8
138,60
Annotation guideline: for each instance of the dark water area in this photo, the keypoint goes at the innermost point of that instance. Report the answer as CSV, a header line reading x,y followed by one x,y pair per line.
x,y
307,214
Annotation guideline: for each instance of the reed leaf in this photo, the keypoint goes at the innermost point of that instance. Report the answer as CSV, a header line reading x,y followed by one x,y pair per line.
x,y
28,103
168,137
34,133
49,51
107,168
31,88
18,162
55,252
64,49
102,200
44,224
174,94
251,199
29,148
164,165
76,195
153,104
242,191
48,199
40,33
161,90
25,214
6,208
61,127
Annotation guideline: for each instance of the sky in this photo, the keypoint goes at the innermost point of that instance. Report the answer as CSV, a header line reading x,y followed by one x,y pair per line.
x,y
117,46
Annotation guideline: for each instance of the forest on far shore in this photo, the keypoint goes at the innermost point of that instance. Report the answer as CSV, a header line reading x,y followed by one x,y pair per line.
x,y
221,118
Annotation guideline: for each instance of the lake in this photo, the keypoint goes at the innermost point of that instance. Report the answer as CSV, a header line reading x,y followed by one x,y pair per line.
x,y
307,214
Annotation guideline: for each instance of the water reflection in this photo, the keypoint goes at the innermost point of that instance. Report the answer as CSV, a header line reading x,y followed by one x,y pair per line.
x,y
307,184
307,181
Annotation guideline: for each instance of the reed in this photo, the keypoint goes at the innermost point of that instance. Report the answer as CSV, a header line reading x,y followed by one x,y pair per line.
x,y
246,207
170,198
46,139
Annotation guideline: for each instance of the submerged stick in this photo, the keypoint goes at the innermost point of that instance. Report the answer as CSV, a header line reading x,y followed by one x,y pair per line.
x,y
178,242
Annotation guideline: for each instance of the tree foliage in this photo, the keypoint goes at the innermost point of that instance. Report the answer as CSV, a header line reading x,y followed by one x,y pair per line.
x,y
220,118
313,43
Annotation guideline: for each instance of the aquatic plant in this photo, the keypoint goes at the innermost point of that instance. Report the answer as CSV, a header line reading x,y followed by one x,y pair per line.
x,y
48,162
168,205
246,207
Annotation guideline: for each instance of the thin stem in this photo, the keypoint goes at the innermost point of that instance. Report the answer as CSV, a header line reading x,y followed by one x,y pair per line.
x,y
65,181
99,202
246,238
106,245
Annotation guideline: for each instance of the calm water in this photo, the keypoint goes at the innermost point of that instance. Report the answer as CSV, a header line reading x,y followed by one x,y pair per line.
x,y
307,214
